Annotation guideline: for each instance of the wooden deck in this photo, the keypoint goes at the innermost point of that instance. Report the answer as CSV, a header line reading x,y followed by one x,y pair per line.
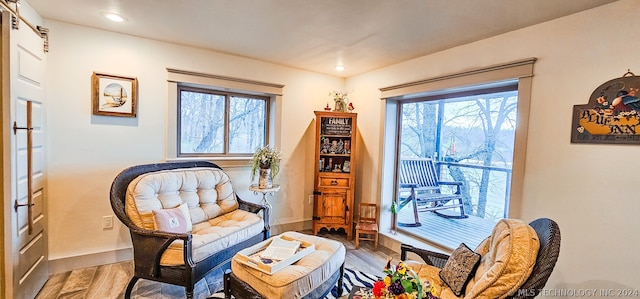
x,y
447,232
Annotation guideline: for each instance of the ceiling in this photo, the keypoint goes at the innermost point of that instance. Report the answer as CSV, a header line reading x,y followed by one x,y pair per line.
x,y
315,35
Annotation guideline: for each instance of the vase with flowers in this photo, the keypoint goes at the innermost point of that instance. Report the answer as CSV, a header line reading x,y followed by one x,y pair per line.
x,y
400,282
340,99
266,163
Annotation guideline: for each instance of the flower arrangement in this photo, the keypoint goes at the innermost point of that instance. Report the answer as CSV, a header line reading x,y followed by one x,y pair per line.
x,y
265,158
401,283
340,98
339,94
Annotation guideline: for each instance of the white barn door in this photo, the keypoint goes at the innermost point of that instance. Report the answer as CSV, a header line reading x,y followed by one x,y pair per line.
x,y
24,78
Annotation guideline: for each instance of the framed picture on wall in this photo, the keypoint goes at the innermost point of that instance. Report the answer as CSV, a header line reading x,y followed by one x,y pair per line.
x,y
114,95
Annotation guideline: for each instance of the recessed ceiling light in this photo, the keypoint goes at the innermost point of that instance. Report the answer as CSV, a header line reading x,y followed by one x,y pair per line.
x,y
114,17
339,68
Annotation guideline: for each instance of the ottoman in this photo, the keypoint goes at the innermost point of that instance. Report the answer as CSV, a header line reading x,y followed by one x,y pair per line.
x,y
313,276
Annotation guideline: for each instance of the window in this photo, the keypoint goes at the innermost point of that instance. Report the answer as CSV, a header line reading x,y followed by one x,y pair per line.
x,y
218,116
453,120
218,123
470,137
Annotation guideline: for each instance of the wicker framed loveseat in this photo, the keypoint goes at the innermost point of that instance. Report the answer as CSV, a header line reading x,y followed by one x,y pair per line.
x,y
185,221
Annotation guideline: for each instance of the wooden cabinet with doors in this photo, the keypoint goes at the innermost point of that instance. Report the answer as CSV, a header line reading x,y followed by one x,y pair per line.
x,y
334,171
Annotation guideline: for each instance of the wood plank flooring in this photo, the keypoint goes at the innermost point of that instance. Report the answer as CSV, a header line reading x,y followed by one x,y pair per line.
x,y
110,281
447,232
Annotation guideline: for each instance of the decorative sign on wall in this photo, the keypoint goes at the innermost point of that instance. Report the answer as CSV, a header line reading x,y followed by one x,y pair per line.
x,y
612,114
336,126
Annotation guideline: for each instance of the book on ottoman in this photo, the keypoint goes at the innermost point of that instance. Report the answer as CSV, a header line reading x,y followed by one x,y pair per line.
x,y
273,254
280,249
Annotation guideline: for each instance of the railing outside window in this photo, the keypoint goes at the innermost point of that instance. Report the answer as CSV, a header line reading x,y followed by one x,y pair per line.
x,y
497,196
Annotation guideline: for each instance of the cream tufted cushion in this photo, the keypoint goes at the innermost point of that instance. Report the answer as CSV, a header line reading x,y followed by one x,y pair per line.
x,y
207,191
217,222
215,235
302,277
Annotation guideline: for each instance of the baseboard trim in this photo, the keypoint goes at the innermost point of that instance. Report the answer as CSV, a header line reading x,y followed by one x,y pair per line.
x,y
90,260
277,229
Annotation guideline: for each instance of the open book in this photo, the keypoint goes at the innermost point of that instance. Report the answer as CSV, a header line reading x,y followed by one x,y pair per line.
x,y
280,249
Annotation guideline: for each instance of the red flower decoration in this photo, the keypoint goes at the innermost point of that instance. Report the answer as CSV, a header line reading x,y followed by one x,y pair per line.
x,y
378,286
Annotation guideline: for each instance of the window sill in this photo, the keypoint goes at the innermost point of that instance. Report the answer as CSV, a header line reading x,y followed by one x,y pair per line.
x,y
402,238
224,162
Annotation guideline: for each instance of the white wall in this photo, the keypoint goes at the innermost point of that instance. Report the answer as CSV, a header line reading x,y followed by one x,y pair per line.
x,y
590,190
87,152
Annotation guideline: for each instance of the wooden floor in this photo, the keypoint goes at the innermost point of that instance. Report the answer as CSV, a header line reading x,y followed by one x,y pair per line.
x,y
110,281
447,232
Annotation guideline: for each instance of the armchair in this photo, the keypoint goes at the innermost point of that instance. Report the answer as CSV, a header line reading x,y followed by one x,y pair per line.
x,y
548,234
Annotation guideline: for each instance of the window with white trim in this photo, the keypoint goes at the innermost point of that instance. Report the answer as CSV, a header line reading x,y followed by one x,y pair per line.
x,y
397,102
219,117
213,122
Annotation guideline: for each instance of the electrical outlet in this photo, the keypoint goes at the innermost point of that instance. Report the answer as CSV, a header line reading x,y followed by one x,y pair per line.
x,y
310,199
107,222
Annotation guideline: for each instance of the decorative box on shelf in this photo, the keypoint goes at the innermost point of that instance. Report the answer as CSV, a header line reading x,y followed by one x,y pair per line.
x,y
251,256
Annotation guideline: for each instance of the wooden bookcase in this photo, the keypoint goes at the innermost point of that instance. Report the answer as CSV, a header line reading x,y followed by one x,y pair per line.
x,y
334,181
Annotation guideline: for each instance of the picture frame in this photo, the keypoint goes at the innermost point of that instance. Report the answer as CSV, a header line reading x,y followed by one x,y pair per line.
x,y
114,95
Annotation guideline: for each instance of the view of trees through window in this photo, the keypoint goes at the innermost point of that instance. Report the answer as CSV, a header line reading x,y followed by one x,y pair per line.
x,y
471,139
213,122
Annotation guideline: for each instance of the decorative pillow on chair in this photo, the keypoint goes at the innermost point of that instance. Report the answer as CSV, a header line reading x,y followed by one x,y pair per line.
x,y
460,268
176,220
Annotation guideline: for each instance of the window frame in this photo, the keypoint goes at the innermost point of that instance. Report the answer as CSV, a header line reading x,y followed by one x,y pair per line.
x,y
520,71
474,91
272,91
227,98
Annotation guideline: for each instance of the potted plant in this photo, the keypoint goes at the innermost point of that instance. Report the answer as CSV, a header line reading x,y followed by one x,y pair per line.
x,y
266,162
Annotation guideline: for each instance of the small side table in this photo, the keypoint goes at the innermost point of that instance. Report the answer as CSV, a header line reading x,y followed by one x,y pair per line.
x,y
271,191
